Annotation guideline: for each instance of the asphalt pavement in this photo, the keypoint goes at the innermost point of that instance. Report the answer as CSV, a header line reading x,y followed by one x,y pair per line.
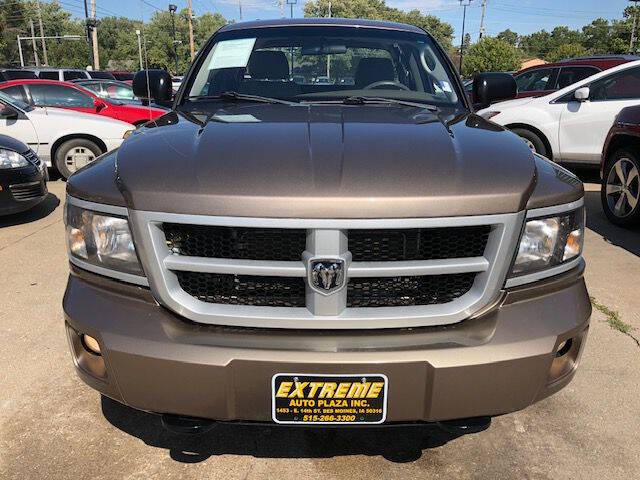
x,y
53,426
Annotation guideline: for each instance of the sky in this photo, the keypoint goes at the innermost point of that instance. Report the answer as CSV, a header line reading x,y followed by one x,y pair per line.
x,y
521,16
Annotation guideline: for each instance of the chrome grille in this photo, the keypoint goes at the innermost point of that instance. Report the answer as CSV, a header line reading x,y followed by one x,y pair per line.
x,y
251,272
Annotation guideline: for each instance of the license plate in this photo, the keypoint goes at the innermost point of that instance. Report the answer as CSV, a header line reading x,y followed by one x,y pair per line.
x,y
329,399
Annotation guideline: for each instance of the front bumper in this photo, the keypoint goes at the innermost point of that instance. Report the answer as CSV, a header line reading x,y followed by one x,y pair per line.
x,y
21,189
496,363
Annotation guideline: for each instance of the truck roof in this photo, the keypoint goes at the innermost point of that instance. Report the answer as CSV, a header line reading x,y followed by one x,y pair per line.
x,y
342,22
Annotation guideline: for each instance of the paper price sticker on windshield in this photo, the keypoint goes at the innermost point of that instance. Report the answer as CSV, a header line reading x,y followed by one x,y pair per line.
x,y
232,53
329,399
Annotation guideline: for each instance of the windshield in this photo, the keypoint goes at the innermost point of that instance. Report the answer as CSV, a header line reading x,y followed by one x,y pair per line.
x,y
314,63
16,103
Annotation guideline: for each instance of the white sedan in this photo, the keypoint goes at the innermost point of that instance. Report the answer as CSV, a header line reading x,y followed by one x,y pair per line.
x,y
571,125
63,139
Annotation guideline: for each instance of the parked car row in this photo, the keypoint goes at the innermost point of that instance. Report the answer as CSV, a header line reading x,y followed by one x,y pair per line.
x,y
63,74
571,126
73,96
63,139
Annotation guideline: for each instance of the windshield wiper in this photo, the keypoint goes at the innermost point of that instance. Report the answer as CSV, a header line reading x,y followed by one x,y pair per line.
x,y
242,97
363,100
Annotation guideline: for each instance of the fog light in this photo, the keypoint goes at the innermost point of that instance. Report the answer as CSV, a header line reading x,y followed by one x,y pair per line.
x,y
91,344
566,357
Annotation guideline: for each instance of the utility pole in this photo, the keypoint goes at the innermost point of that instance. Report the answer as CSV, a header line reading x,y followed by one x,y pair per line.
x,y
483,32
240,8
192,49
94,36
20,50
33,40
88,24
44,44
632,43
465,4
139,48
172,12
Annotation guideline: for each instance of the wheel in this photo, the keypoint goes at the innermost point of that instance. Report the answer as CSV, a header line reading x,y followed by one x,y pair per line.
x,y
620,192
533,141
75,154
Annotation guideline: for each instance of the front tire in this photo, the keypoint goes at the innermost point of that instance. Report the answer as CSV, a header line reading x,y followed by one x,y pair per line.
x,y
533,141
75,154
620,192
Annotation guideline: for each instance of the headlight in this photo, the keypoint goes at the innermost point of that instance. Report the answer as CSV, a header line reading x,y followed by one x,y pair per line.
x,y
549,241
489,114
11,159
102,240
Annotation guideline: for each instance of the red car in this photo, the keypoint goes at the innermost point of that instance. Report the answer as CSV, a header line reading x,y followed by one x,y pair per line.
x,y
620,169
549,77
52,93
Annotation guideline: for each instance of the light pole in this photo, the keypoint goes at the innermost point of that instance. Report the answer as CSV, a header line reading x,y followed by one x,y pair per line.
x,y
172,11
139,48
464,4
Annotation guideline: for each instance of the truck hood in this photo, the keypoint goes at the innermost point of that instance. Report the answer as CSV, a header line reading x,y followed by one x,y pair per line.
x,y
324,162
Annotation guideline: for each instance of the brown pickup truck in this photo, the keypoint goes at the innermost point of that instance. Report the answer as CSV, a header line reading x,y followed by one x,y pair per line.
x,y
361,252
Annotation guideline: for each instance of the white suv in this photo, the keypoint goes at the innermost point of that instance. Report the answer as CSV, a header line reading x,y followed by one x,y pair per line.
x,y
571,125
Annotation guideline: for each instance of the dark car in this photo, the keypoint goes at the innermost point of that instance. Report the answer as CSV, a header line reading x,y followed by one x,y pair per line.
x,y
101,75
325,253
114,90
7,74
543,79
23,177
619,169
123,76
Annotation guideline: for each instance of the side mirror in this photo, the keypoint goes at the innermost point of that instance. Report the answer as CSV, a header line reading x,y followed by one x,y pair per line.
x,y
582,94
493,87
99,104
152,85
8,112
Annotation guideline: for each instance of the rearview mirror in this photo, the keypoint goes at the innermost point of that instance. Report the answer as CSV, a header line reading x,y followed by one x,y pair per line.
x,y
8,112
153,85
493,87
582,94
324,49
99,104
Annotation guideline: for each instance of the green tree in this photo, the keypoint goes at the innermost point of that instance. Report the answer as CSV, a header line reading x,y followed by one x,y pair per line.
x,y
512,38
490,55
379,10
567,50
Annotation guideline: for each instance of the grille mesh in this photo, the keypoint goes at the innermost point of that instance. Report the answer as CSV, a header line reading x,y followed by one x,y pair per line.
x,y
407,291
418,244
288,244
244,289
27,191
232,242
